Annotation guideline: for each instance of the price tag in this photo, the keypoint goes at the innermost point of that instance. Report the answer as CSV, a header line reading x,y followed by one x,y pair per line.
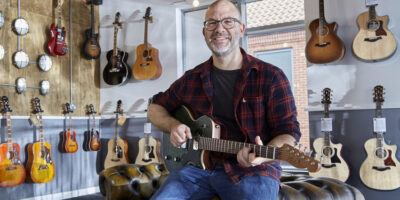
x,y
379,125
121,120
326,124
34,119
371,2
147,127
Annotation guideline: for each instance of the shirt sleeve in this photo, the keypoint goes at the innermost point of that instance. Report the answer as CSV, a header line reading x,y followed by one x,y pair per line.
x,y
170,99
281,108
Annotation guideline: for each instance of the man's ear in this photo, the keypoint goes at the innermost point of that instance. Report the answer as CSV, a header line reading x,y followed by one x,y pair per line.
x,y
204,32
242,29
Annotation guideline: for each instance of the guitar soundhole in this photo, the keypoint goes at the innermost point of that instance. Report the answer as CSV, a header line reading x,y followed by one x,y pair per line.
x,y
373,25
381,153
322,30
327,151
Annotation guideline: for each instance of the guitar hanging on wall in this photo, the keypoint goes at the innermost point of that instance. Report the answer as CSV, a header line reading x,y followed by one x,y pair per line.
x,y
374,41
92,47
324,45
380,170
70,145
94,139
12,171
57,45
332,163
116,71
147,65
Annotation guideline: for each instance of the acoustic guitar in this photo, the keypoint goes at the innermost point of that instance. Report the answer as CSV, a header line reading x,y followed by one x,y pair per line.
x,y
40,167
70,145
57,45
92,47
374,41
116,71
117,148
324,45
94,140
205,139
332,163
149,147
380,170
147,65
12,171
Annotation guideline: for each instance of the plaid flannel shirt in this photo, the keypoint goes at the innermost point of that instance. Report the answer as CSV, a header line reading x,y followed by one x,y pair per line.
x,y
263,106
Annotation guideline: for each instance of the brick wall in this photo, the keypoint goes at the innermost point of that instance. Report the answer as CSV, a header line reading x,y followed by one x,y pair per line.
x,y
297,41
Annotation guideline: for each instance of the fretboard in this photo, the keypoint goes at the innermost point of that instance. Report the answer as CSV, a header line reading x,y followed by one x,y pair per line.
x,y
41,131
59,14
145,33
9,140
372,13
92,10
321,10
116,130
115,40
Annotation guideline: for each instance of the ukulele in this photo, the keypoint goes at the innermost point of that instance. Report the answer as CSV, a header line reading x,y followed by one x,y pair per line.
x,y
70,145
40,167
116,71
380,170
57,45
12,171
94,140
324,45
148,146
374,41
92,47
332,163
117,148
205,139
147,65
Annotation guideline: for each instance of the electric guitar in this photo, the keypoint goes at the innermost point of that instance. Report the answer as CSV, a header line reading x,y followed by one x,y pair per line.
x,y
92,47
147,65
116,71
332,163
12,171
381,169
205,138
94,141
40,167
374,41
117,148
324,45
148,146
69,137
57,45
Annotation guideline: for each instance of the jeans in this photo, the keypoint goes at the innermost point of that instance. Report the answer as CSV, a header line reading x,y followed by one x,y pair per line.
x,y
191,182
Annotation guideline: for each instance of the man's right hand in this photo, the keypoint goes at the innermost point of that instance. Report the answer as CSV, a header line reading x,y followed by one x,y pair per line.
x,y
179,134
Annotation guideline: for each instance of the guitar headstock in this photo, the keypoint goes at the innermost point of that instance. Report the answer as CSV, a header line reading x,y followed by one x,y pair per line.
x,y
36,105
6,107
147,15
68,109
378,94
297,158
117,24
326,96
119,110
91,110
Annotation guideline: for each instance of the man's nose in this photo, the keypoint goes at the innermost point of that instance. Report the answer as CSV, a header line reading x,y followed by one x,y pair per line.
x,y
220,27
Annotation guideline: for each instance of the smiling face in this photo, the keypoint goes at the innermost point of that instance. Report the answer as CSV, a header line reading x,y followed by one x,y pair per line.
x,y
223,41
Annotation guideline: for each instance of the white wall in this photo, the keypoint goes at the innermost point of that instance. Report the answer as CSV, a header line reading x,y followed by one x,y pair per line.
x,y
163,34
352,80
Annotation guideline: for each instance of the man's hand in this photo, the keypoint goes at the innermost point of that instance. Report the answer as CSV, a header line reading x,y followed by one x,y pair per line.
x,y
247,159
179,134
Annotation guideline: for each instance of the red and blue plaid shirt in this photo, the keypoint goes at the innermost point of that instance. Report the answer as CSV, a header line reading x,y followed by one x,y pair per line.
x,y
263,106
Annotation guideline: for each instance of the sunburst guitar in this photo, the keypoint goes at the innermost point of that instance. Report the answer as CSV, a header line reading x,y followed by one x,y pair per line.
x,y
381,169
374,41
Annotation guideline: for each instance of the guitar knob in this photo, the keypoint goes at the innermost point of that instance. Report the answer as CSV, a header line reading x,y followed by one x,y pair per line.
x,y
177,159
167,157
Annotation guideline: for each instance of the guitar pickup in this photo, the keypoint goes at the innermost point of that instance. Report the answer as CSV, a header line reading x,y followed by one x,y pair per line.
x,y
372,39
322,44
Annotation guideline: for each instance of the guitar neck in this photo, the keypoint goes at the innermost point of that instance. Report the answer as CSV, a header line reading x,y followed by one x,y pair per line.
x,y
94,121
145,33
92,17
321,11
116,130
9,139
59,14
115,41
41,131
233,147
372,13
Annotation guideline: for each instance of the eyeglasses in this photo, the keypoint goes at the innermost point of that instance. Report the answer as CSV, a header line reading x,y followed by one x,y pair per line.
x,y
227,23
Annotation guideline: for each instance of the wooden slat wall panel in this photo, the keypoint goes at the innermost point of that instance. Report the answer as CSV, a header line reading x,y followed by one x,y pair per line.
x,y
40,14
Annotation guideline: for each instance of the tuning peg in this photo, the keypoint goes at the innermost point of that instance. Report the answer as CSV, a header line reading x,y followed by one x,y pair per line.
x,y
315,155
300,146
310,153
295,144
305,149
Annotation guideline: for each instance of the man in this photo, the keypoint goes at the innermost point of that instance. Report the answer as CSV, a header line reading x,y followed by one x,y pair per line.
x,y
250,99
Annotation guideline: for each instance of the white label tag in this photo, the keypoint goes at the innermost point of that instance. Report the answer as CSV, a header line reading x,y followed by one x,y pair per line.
x,y
326,124
371,2
380,125
147,127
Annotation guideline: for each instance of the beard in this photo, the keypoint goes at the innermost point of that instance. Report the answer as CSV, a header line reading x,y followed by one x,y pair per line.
x,y
218,50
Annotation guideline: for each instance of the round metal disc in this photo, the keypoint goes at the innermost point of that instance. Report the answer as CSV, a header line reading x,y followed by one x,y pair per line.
x,y
1,52
21,26
21,59
44,87
45,62
21,85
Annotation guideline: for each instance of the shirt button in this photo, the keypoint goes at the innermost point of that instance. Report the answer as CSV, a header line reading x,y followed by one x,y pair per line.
x,y
244,100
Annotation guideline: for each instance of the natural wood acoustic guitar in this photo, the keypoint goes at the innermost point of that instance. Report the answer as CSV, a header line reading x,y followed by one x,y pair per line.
x,y
329,154
374,41
12,171
147,65
324,45
380,170
40,167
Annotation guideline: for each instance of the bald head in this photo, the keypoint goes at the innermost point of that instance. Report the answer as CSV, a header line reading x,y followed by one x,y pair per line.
x,y
222,7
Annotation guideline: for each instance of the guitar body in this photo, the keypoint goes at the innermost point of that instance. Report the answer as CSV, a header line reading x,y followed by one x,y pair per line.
x,y
91,47
94,142
120,72
57,45
70,144
113,158
380,173
40,167
12,171
147,65
332,163
148,153
324,47
373,44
